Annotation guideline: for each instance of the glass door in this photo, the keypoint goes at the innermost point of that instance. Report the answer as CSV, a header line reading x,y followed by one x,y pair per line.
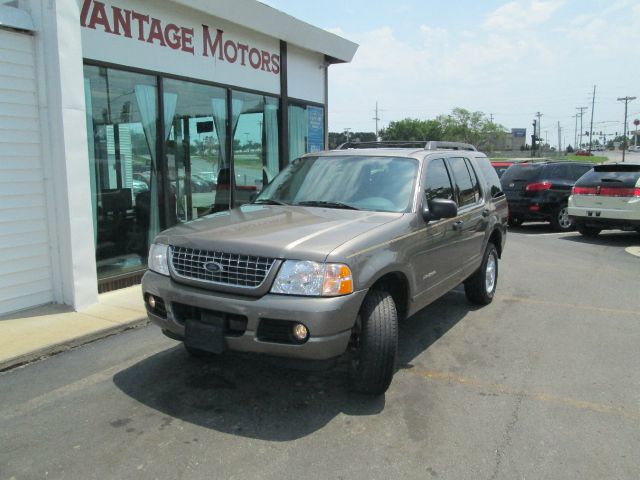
x,y
196,149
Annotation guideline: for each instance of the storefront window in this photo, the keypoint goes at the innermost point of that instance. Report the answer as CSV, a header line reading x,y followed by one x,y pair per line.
x,y
255,143
196,149
306,130
122,117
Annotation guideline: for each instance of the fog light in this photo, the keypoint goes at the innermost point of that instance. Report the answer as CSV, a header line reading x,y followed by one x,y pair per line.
x,y
151,300
300,332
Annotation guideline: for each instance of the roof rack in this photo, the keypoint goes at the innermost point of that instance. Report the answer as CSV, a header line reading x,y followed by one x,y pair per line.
x,y
430,145
384,144
449,146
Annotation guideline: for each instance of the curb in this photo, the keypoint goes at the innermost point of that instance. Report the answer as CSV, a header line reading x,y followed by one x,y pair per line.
x,y
69,344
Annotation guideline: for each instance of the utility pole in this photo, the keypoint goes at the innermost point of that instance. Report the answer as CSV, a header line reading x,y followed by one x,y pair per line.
x,y
533,140
626,101
347,133
376,118
575,135
559,138
582,109
593,104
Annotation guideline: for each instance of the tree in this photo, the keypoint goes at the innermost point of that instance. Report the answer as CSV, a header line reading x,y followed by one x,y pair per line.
x,y
460,126
413,129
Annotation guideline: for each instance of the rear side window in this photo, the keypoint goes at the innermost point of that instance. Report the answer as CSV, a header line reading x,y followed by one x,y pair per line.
x,y
437,183
622,176
468,191
526,172
490,174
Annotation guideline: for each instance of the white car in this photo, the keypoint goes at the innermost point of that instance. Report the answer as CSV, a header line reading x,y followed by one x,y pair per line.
x,y
607,197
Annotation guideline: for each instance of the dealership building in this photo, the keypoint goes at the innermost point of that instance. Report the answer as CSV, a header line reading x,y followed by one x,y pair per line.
x,y
119,118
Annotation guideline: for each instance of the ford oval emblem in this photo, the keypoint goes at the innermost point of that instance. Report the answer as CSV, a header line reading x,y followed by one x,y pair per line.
x,y
213,267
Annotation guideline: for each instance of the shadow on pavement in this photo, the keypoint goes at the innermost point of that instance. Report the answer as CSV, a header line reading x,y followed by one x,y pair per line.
x,y
252,396
608,238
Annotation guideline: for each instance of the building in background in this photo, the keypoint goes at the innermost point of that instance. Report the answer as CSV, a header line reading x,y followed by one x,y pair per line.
x,y
518,138
120,118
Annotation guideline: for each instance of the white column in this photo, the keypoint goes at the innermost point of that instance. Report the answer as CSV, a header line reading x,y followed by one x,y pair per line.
x,y
62,111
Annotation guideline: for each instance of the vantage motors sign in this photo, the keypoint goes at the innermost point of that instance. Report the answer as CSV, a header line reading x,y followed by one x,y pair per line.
x,y
162,37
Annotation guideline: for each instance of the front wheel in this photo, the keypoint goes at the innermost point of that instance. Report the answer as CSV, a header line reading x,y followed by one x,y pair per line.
x,y
481,286
561,222
374,344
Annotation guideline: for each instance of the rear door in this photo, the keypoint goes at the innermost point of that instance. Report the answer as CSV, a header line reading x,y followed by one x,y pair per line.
x,y
471,223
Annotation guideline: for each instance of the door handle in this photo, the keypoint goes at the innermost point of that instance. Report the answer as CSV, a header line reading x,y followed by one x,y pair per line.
x,y
458,225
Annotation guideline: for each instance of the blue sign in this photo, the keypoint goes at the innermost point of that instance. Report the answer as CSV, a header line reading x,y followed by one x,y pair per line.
x,y
315,129
519,132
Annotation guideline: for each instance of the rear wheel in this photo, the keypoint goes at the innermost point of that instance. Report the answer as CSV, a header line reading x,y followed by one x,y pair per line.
x,y
588,231
374,344
481,286
561,222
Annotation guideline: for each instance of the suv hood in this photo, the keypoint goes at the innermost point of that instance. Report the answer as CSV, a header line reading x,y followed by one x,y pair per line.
x,y
289,232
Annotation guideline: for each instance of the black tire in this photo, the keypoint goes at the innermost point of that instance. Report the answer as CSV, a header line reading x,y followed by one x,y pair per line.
x,y
515,222
560,221
589,231
374,344
197,353
475,287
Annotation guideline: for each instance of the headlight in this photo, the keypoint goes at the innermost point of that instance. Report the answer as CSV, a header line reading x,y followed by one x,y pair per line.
x,y
158,258
313,279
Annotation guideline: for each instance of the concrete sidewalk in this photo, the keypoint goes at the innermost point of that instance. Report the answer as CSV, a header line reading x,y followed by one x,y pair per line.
x,y
30,334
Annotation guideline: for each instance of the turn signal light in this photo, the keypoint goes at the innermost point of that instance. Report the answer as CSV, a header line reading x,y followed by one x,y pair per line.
x,y
538,186
337,280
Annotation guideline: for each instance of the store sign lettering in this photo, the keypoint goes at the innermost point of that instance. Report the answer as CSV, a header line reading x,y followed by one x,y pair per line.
x,y
145,28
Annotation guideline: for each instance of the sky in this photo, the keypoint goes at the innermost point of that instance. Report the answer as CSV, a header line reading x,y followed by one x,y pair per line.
x,y
420,59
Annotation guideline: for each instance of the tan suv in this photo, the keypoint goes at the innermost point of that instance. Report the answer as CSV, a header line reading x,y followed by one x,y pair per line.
x,y
334,251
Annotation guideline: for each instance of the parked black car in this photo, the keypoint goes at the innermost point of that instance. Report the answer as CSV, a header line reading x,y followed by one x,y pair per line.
x,y
540,192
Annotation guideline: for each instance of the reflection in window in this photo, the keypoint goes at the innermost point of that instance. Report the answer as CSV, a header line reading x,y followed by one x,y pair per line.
x,y
366,183
438,183
122,114
196,149
255,143
466,181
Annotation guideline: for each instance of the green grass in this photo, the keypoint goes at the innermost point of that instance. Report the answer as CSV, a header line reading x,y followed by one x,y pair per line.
x,y
594,159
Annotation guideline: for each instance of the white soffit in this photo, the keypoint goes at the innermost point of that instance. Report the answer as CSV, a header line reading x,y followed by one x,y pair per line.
x,y
269,21
14,18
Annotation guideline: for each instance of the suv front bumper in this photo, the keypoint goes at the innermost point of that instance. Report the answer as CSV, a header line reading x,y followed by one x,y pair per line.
x,y
328,319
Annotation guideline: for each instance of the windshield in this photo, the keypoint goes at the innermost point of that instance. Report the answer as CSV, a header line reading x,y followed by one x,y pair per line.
x,y
383,184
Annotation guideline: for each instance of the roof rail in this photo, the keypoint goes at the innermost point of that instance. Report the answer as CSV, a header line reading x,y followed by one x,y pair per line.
x,y
437,145
383,144
430,145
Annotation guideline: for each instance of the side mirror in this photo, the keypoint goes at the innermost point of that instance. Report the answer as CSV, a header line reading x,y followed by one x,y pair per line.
x,y
438,208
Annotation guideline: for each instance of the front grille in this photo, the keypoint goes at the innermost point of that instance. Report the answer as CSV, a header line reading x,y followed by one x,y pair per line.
x,y
225,268
276,331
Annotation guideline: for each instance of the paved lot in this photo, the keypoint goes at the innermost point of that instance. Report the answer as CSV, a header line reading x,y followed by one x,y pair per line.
x,y
543,383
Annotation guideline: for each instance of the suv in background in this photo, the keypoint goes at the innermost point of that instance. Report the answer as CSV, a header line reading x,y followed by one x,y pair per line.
x,y
607,197
540,192
338,247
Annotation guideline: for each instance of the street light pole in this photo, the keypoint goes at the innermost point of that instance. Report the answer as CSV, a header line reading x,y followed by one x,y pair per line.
x,y
626,101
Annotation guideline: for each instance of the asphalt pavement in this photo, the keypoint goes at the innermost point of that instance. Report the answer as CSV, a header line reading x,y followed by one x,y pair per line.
x,y
543,383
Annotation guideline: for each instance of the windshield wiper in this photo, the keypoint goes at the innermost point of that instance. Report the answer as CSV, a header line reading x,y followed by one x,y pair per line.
x,y
269,201
321,203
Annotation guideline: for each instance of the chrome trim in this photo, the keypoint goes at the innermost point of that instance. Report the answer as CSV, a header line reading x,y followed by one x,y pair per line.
x,y
211,257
